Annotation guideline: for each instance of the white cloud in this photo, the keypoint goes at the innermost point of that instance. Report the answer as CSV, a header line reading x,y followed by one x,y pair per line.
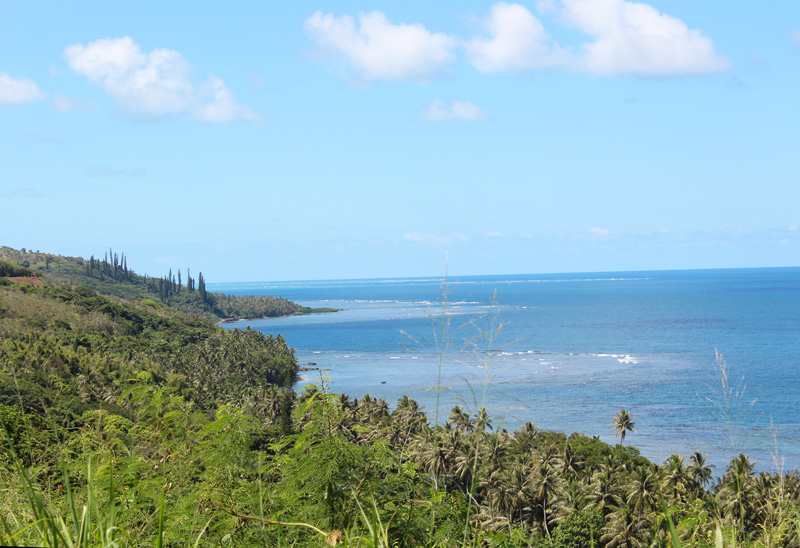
x,y
795,36
219,105
155,84
517,41
634,38
377,49
18,90
598,231
493,234
424,237
457,109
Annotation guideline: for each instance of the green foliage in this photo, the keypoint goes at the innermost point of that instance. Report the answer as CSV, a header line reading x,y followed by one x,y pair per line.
x,y
579,528
14,270
135,424
112,277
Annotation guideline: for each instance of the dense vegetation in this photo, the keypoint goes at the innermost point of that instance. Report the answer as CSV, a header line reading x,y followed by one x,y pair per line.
x,y
137,424
111,276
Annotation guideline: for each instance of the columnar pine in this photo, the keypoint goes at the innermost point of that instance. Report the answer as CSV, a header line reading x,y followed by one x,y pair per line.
x,y
201,287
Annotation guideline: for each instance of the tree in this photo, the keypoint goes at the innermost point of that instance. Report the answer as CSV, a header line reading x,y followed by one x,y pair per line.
x,y
623,529
580,528
623,423
546,485
201,286
676,478
701,472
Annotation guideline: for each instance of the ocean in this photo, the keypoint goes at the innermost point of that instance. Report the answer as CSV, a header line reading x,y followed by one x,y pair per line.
x,y
568,351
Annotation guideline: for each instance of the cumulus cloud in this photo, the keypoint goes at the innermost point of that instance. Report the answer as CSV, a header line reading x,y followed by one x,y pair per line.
x,y
634,38
14,91
377,49
154,84
424,237
457,109
217,104
516,41
625,37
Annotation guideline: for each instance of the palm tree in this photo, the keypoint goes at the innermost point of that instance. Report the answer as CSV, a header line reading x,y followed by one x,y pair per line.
x,y
623,422
515,492
623,529
460,420
642,493
700,471
737,491
482,421
604,490
571,463
546,487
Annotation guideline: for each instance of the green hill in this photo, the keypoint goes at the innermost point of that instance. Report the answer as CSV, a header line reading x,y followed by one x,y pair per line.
x,y
79,350
112,276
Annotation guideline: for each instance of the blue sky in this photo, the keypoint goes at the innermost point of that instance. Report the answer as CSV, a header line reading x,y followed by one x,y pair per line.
x,y
300,140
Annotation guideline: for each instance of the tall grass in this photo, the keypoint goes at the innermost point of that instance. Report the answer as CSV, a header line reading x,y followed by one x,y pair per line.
x,y
728,401
80,520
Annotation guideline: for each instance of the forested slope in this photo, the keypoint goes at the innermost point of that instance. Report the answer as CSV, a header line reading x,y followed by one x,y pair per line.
x,y
112,276
134,424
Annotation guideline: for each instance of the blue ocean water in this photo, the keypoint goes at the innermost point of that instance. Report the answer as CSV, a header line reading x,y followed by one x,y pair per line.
x,y
567,351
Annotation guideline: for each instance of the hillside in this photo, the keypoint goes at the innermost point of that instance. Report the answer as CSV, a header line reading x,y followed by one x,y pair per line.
x,y
67,349
130,423
111,276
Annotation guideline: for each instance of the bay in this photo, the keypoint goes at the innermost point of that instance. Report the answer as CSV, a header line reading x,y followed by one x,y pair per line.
x,y
568,351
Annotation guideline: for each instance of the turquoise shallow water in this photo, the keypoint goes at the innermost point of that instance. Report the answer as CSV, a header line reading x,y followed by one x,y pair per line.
x,y
573,349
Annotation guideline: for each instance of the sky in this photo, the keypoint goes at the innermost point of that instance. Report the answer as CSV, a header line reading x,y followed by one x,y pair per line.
x,y
257,141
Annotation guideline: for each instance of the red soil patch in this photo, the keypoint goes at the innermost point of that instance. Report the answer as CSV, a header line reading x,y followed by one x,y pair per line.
x,y
23,279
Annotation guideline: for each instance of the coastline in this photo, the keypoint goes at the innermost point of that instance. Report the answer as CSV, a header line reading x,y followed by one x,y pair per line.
x,y
579,339
310,312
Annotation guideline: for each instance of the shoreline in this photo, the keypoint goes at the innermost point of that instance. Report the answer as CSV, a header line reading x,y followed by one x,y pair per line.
x,y
311,312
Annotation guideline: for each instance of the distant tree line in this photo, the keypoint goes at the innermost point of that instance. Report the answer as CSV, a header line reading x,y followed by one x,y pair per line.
x,y
111,275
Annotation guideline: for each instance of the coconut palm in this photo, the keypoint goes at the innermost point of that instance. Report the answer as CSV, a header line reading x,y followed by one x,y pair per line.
x,y
700,471
623,423
482,421
623,529
514,492
546,486
675,478
737,491
525,437
460,420
572,464
643,494
604,492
